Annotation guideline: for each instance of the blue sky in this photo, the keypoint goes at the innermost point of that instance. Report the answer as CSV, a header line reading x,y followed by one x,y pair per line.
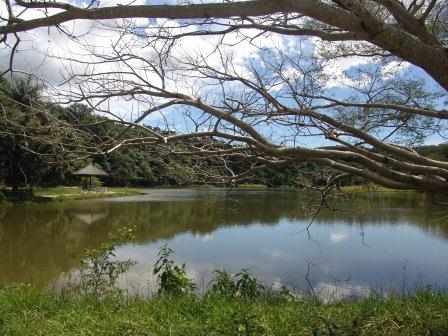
x,y
35,56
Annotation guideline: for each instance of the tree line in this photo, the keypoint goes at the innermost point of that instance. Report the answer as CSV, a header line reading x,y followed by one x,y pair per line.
x,y
42,144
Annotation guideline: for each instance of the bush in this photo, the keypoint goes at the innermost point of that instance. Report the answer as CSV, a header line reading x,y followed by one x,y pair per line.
x,y
99,272
223,284
172,278
242,284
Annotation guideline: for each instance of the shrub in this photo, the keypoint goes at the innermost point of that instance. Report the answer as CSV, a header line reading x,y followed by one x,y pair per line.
x,y
99,271
172,278
242,284
223,284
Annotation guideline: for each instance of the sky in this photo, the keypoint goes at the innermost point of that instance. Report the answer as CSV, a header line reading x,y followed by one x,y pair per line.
x,y
53,57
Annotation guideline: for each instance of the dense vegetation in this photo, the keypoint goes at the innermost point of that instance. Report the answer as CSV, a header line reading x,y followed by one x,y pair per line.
x,y
27,311
41,144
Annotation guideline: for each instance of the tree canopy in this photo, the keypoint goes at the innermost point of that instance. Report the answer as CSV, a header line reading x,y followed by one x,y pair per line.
x,y
354,85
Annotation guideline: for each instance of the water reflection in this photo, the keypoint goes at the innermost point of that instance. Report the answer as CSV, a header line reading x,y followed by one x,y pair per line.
x,y
399,239
90,217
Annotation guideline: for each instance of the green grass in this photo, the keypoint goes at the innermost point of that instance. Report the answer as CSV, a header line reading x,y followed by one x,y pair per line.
x,y
26,310
69,193
63,194
252,186
371,188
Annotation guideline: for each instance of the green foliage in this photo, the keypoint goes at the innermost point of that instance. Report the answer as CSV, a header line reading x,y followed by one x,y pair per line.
x,y
223,284
91,182
2,196
31,138
36,135
436,152
242,284
172,278
99,268
247,285
40,142
25,310
246,323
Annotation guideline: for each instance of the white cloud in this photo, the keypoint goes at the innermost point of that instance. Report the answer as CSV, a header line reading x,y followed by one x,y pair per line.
x,y
329,292
275,253
337,238
335,68
393,69
52,55
205,237
3,12
276,284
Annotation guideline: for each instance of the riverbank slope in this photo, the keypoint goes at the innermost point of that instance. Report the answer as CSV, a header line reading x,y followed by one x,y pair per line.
x,y
25,310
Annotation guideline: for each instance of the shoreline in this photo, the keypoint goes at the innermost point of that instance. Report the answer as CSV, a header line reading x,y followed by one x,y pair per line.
x,y
62,193
25,310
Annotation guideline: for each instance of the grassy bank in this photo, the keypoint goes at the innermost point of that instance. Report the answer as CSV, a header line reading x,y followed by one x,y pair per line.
x,y
379,191
28,311
233,304
62,194
373,188
68,193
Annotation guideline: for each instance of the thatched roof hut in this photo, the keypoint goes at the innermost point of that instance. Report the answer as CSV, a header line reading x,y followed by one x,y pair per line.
x,y
90,171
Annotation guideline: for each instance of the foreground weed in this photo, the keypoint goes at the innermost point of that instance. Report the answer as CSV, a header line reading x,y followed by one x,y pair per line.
x,y
242,284
247,285
172,278
25,310
99,268
223,284
246,323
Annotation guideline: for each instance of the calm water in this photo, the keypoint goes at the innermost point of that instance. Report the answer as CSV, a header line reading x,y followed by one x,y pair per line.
x,y
401,240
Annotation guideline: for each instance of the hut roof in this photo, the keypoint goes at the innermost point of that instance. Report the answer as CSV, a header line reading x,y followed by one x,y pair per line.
x,y
90,170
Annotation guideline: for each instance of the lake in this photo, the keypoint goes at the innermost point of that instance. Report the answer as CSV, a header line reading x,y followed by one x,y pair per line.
x,y
389,242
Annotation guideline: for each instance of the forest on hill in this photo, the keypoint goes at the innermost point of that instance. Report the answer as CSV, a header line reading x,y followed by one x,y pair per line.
x,y
42,144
